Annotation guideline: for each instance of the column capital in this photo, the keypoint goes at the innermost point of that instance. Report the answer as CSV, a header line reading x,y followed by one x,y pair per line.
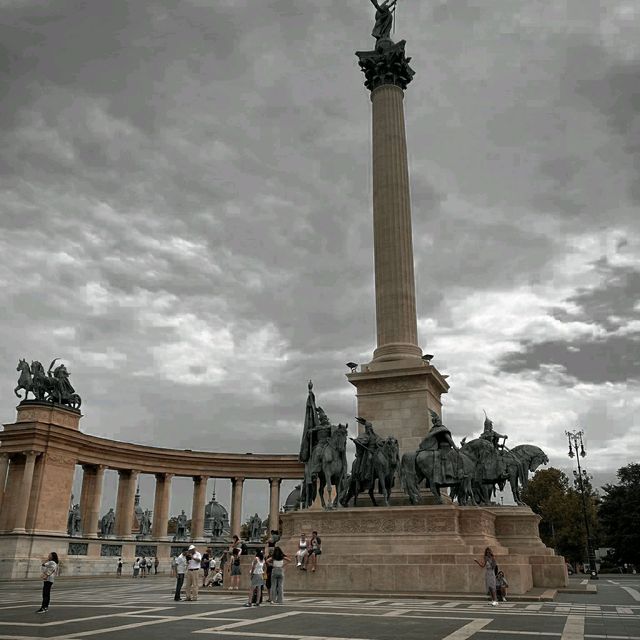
x,y
30,454
93,467
164,476
4,454
386,65
200,478
237,480
275,480
128,472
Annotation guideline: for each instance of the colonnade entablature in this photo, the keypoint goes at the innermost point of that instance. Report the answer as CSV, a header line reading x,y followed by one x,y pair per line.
x,y
40,451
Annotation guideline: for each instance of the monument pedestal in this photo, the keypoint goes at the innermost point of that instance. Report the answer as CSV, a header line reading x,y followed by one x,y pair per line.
x,y
427,549
396,397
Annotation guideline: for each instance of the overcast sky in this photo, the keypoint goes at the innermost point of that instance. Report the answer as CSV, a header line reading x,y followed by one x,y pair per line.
x,y
185,215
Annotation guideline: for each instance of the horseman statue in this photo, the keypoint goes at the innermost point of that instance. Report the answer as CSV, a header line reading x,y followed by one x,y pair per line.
x,y
53,386
323,452
376,461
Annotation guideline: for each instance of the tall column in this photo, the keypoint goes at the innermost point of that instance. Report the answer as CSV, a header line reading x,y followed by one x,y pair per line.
x,y
20,517
4,467
236,505
397,327
197,509
91,499
161,505
125,504
274,504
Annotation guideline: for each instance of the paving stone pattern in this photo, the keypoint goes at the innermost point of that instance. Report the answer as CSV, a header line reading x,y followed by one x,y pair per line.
x,y
143,609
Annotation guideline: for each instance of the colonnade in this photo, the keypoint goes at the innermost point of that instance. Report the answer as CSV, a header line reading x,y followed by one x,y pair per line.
x,y
16,499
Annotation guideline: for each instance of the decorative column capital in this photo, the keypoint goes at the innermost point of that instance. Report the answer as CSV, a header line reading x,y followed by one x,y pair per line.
x,y
164,476
237,480
386,64
198,479
128,472
277,481
30,455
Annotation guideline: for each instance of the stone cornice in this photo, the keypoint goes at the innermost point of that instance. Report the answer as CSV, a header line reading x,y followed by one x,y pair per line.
x,y
86,449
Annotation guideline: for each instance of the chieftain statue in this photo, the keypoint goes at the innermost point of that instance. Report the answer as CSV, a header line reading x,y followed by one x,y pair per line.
x,y
323,452
53,386
472,471
254,527
376,461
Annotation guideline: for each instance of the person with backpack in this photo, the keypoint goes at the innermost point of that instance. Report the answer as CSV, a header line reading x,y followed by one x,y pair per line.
x,y
143,567
257,580
119,569
136,568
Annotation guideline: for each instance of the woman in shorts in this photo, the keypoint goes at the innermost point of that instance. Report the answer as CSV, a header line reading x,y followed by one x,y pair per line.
x,y
235,570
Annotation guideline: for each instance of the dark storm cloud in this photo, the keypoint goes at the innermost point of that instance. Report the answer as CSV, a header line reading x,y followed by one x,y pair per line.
x,y
186,202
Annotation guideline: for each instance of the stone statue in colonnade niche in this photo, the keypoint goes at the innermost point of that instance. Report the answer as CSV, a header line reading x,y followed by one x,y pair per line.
x,y
181,529
255,527
107,522
74,521
145,523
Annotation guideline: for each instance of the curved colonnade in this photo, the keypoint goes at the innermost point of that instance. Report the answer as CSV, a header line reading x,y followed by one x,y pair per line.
x,y
39,452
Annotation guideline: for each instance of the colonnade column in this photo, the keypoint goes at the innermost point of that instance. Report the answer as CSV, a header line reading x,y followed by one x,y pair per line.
x,y
274,504
197,509
125,502
4,467
91,498
236,505
20,518
161,505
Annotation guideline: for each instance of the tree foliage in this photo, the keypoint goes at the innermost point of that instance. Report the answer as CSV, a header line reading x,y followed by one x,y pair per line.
x,y
620,515
559,502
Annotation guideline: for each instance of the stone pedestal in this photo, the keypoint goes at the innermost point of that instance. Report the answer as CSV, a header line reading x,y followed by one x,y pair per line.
x,y
396,397
421,549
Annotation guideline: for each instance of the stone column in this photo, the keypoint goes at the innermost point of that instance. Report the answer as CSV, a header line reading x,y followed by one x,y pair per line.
x,y
237,485
125,504
274,503
4,467
20,516
161,506
395,287
197,508
91,499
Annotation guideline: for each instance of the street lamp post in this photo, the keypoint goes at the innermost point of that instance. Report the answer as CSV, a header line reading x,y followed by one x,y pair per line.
x,y
576,445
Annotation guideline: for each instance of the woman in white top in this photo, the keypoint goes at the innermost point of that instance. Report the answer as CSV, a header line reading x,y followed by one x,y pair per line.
x,y
277,560
49,568
301,554
257,581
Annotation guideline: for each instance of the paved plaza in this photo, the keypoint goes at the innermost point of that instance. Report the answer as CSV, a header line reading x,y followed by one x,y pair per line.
x,y
106,608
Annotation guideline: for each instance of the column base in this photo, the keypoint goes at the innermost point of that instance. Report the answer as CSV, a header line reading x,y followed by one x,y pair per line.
x,y
19,530
397,351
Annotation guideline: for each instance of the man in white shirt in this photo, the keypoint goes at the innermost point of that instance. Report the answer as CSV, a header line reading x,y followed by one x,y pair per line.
x,y
193,572
181,567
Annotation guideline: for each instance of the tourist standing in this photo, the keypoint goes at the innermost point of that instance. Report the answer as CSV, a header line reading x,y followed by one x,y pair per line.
x,y
489,565
257,580
156,564
173,566
278,561
194,558
315,551
143,567
235,570
119,569
136,568
49,568
180,568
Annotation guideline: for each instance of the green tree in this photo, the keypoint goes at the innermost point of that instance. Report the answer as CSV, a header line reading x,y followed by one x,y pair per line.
x,y
619,515
552,496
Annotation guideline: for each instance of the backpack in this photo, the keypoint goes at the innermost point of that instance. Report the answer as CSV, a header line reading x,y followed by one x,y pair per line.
x,y
244,550
143,563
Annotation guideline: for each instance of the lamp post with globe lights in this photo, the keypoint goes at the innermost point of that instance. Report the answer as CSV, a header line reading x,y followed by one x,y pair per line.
x,y
576,448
